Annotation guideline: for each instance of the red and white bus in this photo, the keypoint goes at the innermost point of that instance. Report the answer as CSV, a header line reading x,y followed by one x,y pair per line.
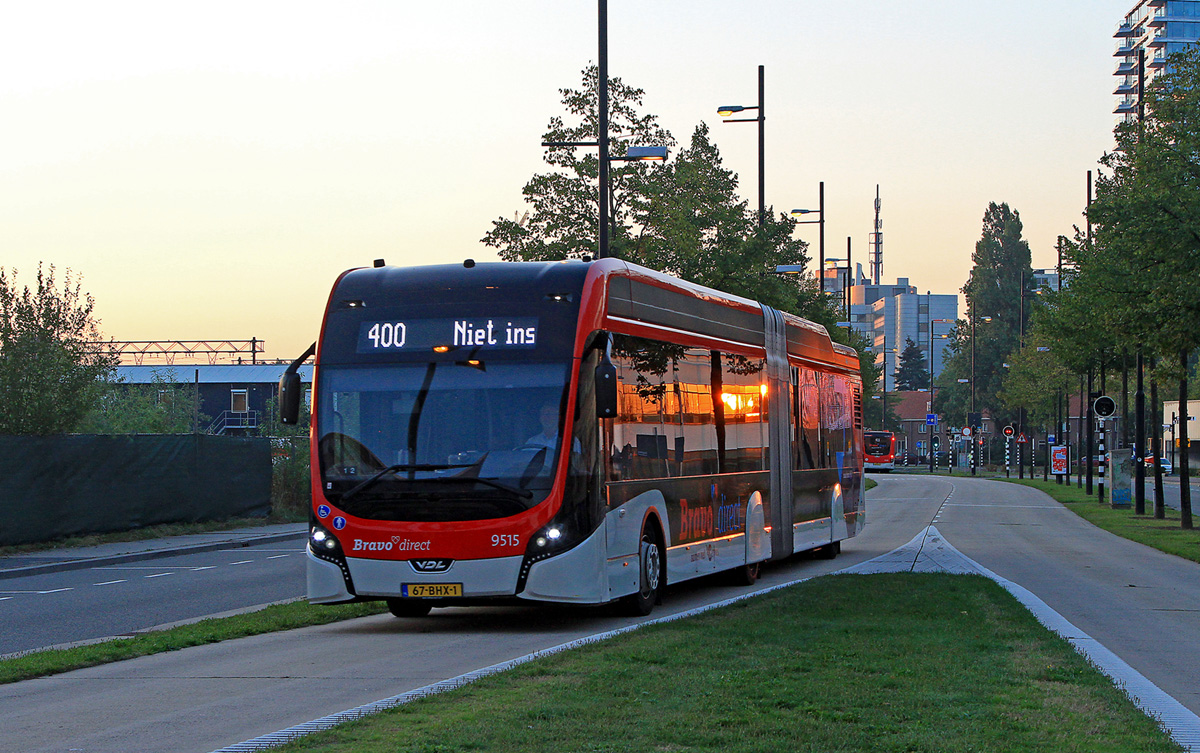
x,y
703,432
879,450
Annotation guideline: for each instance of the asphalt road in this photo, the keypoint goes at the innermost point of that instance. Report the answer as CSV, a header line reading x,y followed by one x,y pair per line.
x,y
1137,602
51,609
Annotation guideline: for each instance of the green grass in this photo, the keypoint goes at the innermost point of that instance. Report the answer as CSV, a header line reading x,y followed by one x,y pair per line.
x,y
271,619
845,663
1164,535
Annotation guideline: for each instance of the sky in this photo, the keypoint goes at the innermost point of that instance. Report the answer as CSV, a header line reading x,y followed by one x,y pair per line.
x,y
208,169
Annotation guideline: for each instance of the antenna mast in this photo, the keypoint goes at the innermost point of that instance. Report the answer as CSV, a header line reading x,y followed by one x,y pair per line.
x,y
877,242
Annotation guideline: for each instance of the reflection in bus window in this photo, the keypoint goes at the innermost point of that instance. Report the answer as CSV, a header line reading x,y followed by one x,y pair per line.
x,y
686,411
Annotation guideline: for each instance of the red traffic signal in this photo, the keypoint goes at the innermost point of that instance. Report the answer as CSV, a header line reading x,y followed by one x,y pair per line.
x,y
1009,431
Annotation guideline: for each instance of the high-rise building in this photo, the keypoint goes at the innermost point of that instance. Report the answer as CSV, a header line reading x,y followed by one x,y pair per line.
x,y
1160,28
891,315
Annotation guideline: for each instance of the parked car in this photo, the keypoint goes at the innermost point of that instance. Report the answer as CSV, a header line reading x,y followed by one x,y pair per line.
x,y
1167,468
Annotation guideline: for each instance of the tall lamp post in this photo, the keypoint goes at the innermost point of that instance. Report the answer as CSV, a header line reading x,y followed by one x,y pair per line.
x,y
725,111
633,153
932,394
820,212
974,429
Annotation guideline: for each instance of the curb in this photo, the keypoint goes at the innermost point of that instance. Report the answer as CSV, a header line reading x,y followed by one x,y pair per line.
x,y
80,564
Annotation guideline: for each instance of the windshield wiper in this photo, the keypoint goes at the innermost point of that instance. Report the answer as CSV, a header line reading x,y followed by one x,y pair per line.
x,y
399,468
522,493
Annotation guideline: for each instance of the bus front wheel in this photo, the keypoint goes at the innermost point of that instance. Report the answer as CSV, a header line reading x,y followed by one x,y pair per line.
x,y
650,574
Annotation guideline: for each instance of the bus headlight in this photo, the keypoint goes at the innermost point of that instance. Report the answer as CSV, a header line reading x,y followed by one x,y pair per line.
x,y
548,537
321,541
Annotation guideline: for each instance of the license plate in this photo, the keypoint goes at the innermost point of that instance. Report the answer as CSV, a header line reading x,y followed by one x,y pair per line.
x,y
431,590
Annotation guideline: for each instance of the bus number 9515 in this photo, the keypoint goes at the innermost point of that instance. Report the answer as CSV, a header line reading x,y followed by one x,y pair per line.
x,y
506,539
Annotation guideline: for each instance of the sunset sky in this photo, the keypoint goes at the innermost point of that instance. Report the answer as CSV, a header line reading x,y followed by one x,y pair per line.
x,y
208,169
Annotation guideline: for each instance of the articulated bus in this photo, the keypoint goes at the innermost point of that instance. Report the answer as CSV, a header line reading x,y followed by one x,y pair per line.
x,y
879,450
575,432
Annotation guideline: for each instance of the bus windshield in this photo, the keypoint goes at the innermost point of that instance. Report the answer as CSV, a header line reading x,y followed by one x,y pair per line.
x,y
877,442
439,441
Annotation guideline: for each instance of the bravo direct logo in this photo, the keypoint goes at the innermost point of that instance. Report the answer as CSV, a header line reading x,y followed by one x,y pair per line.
x,y
397,544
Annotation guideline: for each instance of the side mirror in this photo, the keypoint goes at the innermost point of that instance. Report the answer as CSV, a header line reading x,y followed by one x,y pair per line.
x,y
290,389
606,385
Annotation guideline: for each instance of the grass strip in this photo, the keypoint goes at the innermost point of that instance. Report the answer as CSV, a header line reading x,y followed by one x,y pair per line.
x,y
902,662
1164,535
268,620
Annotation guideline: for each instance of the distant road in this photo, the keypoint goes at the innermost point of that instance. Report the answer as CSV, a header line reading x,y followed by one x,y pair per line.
x,y
77,605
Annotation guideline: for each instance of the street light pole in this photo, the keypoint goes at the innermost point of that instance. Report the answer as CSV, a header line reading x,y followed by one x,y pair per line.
x,y
762,131
602,126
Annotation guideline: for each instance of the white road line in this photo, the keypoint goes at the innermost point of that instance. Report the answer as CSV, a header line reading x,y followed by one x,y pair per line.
x,y
157,575
1017,507
243,562
109,582
54,591
205,567
278,556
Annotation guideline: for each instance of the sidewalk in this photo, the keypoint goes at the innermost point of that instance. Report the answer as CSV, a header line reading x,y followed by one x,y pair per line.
x,y
58,560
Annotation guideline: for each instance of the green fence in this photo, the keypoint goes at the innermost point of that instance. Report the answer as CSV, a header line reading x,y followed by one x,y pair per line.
x,y
58,486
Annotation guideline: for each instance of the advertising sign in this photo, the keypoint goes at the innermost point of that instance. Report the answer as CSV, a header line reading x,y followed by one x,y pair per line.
x,y
1058,460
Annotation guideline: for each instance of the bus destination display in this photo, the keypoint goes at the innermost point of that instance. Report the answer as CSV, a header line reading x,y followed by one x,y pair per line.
x,y
477,333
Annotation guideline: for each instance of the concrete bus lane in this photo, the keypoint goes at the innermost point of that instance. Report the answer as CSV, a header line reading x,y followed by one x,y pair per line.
x,y
213,696
1138,602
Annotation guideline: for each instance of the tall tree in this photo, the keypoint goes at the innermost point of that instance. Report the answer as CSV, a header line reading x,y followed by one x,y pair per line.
x,y
50,366
1147,215
1000,287
563,218
695,227
911,371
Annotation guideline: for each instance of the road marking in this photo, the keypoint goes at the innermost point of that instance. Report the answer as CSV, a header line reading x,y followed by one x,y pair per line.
x,y
277,556
1016,507
243,562
205,567
109,583
55,591
157,575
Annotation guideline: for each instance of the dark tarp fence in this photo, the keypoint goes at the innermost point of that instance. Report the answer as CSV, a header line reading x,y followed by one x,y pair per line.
x,y
71,485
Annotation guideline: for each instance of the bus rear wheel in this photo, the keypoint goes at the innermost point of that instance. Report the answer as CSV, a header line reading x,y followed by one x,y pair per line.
x,y
650,575
746,575
408,608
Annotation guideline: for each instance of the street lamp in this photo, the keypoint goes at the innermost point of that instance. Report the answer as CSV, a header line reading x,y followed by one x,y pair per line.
x,y
601,142
932,393
725,111
974,429
820,211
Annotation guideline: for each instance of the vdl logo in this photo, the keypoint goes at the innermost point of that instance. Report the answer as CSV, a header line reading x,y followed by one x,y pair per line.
x,y
431,565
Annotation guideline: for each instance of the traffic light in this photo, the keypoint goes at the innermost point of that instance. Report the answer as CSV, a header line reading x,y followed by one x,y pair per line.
x,y
937,441
1009,431
1104,406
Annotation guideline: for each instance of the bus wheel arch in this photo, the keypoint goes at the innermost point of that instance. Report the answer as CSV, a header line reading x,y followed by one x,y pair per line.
x,y
652,569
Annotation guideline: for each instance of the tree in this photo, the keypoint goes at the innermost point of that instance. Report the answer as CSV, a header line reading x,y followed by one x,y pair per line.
x,y
1139,275
1000,287
51,367
694,226
563,220
911,371
163,406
